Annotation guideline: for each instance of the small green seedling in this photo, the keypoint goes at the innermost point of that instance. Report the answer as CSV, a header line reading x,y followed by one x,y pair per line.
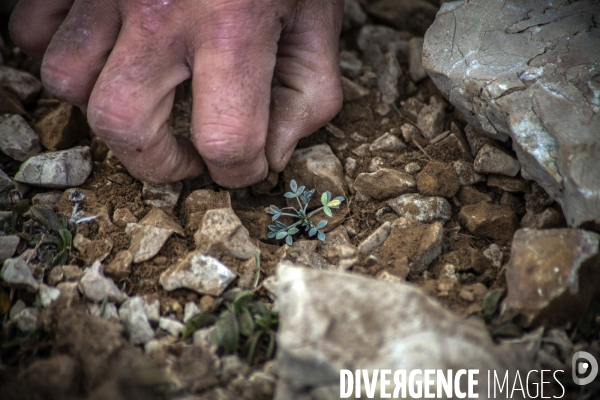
x,y
281,231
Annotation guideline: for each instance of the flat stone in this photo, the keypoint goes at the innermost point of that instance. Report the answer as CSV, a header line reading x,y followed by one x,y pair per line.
x,y
314,342
222,233
424,209
438,179
387,78
489,220
134,319
200,201
120,266
431,119
94,286
418,243
534,81
469,195
415,59
491,160
466,173
21,83
8,246
157,218
384,183
507,183
170,325
17,139
62,128
352,91
146,240
198,272
58,170
375,239
161,195
387,142
16,272
552,275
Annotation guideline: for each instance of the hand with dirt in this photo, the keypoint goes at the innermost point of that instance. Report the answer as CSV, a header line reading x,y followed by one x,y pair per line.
x,y
122,60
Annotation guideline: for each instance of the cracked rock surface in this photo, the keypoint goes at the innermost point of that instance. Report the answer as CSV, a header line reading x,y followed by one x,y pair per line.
x,y
528,71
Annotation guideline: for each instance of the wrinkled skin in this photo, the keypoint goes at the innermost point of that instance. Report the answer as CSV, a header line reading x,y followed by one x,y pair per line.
x,y
121,60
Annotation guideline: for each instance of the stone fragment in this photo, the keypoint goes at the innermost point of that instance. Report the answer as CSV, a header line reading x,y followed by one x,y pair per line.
x,y
59,170
387,142
190,311
431,119
316,167
438,179
494,254
362,150
549,218
415,56
424,209
21,83
466,173
469,195
10,103
27,319
94,286
508,91
467,258
491,160
92,250
417,243
375,239
420,334
552,275
507,183
222,233
387,78
122,217
62,127
17,139
7,188
409,132
200,201
47,294
146,241
120,266
414,16
352,91
152,309
198,272
16,272
350,166
489,220
161,195
170,325
384,183
382,109
50,198
134,319
412,168
376,164
157,218
8,246
72,273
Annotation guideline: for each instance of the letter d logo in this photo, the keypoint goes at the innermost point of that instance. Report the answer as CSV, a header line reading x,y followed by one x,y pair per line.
x,y
582,367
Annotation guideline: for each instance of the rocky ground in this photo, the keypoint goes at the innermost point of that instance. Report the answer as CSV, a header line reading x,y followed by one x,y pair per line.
x,y
446,252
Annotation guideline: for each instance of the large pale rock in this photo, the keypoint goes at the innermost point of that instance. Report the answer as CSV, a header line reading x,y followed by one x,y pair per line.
x,y
96,287
16,271
59,170
316,168
528,70
422,208
198,272
384,183
146,240
162,194
17,139
332,321
552,275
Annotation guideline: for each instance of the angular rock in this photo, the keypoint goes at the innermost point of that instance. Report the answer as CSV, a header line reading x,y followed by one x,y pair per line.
x,y
21,83
120,266
489,220
200,201
375,239
387,142
316,167
10,103
415,59
494,254
190,311
466,173
535,82
8,246
552,275
17,139
491,160
549,218
16,272
94,286
431,119
62,127
161,195
222,233
424,209
134,319
418,243
362,150
170,325
152,309
412,168
410,132
352,91
92,250
59,170
476,140
387,78
420,334
438,179
384,183
157,218
198,272
146,240
122,217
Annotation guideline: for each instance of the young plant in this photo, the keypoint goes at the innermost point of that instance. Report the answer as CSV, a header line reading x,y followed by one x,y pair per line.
x,y
281,231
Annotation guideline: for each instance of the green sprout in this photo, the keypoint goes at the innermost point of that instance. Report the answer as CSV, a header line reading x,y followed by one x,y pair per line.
x,y
281,231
